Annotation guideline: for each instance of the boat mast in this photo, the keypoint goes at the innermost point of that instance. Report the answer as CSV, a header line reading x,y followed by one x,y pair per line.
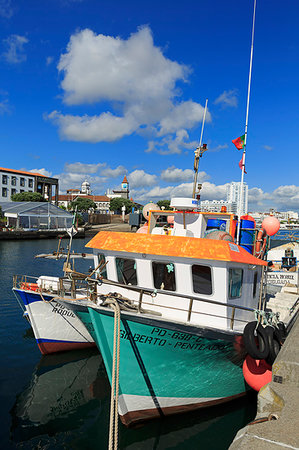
x,y
199,151
246,125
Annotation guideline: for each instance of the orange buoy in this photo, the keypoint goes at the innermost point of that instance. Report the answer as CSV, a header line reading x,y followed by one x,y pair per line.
x,y
29,286
257,372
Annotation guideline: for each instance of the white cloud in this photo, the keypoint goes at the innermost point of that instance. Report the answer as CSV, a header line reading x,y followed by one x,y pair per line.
x,y
134,76
172,144
15,52
267,147
174,175
83,168
113,173
105,127
184,115
42,172
49,60
218,148
4,107
6,9
228,99
139,178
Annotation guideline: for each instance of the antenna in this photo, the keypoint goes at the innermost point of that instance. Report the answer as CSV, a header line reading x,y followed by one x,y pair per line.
x,y
246,125
200,150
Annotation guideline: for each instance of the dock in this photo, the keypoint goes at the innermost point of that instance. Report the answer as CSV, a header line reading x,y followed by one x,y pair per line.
x,y
276,425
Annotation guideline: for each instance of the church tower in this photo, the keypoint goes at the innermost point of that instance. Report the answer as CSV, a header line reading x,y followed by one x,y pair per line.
x,y
125,187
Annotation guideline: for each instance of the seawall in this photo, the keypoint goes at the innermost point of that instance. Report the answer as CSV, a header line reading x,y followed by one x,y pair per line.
x,y
278,404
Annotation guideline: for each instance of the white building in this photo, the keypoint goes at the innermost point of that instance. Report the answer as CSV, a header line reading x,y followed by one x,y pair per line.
x,y
233,192
102,201
216,205
123,192
18,181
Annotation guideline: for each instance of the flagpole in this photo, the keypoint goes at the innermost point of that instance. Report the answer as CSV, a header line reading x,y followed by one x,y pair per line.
x,y
246,124
198,152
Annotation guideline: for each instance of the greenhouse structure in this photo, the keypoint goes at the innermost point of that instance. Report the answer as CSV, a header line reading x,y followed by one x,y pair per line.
x,y
32,216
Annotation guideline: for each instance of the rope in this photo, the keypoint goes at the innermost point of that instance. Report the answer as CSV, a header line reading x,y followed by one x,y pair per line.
x,y
113,423
268,318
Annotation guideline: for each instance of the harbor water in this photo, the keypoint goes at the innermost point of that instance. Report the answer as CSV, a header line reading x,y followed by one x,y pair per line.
x,y
61,401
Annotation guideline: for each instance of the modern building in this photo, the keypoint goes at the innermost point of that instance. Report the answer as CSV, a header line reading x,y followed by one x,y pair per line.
x,y
233,193
102,201
216,205
16,181
123,192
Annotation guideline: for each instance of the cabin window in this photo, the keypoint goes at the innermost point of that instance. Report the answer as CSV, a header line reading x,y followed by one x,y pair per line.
x,y
202,279
126,271
164,276
103,266
254,284
235,282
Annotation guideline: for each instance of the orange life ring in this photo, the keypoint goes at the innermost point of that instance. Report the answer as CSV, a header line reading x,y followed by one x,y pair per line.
x,y
260,243
29,286
256,372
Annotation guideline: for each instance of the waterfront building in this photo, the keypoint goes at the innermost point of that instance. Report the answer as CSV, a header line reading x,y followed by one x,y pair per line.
x,y
123,192
17,181
233,193
102,201
216,205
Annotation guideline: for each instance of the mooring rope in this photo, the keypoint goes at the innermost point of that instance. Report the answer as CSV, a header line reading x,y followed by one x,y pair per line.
x,y
113,423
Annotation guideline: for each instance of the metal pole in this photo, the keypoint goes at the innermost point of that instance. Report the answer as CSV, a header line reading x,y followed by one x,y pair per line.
x,y
197,151
246,124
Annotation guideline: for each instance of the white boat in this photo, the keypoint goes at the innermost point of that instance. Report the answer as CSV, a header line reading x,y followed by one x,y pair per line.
x,y
54,326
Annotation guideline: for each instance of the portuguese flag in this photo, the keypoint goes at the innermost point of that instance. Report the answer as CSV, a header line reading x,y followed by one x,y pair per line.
x,y
239,142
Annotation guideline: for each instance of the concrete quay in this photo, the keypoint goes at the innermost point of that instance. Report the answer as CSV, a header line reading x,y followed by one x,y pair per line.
x,y
278,403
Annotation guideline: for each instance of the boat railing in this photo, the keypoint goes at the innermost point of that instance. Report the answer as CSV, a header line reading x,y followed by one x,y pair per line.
x,y
76,286
153,292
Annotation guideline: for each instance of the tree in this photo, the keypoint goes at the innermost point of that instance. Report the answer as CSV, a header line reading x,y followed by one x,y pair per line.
x,y
165,203
117,203
83,204
28,197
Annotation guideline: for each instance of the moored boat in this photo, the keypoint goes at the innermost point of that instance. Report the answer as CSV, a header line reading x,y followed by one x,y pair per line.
x,y
184,300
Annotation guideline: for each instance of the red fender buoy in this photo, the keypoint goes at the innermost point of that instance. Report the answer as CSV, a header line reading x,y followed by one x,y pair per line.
x,y
257,372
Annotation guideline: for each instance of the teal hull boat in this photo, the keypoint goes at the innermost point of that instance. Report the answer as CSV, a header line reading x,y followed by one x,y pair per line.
x,y
166,369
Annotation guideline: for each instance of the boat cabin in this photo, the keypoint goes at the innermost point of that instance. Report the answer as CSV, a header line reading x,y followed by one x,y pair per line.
x,y
182,275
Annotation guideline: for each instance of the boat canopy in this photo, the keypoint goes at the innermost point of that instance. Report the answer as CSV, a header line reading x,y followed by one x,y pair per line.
x,y
172,246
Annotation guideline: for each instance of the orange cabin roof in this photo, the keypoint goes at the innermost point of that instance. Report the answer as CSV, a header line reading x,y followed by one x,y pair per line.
x,y
181,247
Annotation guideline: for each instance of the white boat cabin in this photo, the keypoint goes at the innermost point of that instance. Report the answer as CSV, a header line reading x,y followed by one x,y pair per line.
x,y
194,279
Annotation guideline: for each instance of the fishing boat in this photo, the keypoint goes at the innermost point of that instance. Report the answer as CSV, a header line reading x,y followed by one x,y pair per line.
x,y
183,295
56,328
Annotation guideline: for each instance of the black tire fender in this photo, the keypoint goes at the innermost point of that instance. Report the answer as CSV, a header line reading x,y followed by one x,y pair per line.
x,y
253,333
274,344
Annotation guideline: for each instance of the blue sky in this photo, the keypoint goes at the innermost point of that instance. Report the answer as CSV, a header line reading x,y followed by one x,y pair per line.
x,y
95,90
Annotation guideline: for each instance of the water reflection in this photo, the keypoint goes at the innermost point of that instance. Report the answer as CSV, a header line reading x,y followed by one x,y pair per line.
x,y
62,389
66,405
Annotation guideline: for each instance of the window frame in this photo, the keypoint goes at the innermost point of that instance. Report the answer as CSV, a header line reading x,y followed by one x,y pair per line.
x,y
4,192
212,279
229,283
116,267
22,181
174,271
105,259
4,179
